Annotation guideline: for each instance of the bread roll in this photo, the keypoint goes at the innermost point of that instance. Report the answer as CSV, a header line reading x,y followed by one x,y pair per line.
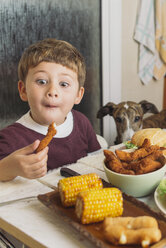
x,y
157,136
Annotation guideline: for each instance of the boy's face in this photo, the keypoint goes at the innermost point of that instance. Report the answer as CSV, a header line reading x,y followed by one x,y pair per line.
x,y
51,91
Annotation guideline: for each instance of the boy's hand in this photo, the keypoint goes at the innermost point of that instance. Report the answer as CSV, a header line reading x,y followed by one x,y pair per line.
x,y
31,165
26,163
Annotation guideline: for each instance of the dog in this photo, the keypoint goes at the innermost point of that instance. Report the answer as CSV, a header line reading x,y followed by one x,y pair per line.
x,y
128,117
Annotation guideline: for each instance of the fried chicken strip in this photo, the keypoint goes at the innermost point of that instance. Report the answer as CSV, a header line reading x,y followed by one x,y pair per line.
x,y
151,163
146,143
114,164
137,154
146,159
47,139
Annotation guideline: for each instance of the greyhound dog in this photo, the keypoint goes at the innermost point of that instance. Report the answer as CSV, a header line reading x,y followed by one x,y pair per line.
x,y
128,117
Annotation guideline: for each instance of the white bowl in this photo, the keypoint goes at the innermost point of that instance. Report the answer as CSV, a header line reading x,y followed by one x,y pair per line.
x,y
136,185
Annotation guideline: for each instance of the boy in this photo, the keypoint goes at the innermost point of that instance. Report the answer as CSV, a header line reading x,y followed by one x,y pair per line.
x,y
51,79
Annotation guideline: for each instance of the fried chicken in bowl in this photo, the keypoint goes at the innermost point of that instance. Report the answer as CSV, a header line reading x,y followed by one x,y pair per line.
x,y
137,172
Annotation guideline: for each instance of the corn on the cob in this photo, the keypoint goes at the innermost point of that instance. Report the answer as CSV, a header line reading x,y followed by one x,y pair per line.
x,y
94,205
71,186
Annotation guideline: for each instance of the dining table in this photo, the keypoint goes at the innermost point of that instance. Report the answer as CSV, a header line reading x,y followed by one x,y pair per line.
x,y
26,222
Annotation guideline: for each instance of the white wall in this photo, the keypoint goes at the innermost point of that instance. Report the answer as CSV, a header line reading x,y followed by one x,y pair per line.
x,y
132,88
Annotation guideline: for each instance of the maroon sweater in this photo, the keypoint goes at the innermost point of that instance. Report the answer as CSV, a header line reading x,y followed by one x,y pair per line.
x,y
62,151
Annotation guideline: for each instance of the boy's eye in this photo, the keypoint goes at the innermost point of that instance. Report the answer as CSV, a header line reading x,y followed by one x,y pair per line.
x,y
64,84
41,81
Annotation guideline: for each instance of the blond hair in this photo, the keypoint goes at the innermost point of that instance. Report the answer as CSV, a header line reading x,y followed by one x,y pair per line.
x,y
52,50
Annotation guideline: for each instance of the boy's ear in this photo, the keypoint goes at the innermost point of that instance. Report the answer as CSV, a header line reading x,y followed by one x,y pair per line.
x,y
22,91
79,96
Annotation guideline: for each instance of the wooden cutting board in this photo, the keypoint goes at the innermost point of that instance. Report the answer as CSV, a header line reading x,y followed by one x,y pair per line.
x,y
94,232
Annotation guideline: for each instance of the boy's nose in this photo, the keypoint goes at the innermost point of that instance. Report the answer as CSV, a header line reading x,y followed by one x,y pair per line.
x,y
52,92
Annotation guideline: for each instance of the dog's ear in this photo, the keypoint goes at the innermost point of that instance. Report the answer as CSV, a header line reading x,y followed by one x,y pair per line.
x,y
106,110
148,107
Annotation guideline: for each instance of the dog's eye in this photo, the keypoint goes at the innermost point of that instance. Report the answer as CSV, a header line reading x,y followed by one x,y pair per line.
x,y
118,119
137,118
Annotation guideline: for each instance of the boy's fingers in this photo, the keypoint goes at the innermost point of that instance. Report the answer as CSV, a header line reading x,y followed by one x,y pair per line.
x,y
30,148
39,164
35,144
38,170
